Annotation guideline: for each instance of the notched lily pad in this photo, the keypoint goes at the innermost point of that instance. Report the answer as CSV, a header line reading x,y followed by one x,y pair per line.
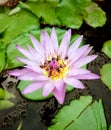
x,y
107,48
80,114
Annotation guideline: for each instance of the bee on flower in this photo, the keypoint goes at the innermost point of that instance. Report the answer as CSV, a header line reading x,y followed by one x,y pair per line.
x,y
51,65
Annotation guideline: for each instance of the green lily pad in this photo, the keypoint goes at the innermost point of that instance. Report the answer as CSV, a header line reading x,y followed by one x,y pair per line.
x,y
45,11
107,48
72,12
105,72
95,17
16,24
80,114
68,13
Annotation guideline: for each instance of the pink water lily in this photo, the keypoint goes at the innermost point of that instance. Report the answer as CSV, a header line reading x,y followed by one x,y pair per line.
x,y
51,66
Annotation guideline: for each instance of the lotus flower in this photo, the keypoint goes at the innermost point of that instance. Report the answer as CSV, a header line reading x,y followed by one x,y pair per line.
x,y
51,66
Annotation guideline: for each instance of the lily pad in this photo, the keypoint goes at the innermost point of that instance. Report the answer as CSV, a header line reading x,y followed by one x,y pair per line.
x,y
107,48
80,114
106,75
96,17
45,11
72,12
16,24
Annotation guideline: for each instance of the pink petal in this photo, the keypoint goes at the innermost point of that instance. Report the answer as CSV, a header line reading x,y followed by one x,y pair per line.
x,y
36,56
87,76
60,94
27,62
42,39
87,51
47,44
28,76
74,46
34,68
59,84
54,40
73,82
75,71
47,89
33,87
18,72
24,52
37,45
77,54
33,76
83,61
64,44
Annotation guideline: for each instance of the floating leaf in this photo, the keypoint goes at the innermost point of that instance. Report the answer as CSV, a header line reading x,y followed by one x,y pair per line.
x,y
72,12
68,13
107,48
106,75
14,25
96,17
4,104
45,11
80,115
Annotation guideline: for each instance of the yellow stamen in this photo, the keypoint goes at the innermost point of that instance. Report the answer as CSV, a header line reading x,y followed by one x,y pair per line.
x,y
56,68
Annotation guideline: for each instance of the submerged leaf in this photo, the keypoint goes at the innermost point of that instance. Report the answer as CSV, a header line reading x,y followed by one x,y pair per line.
x,y
80,115
2,58
107,48
4,104
106,75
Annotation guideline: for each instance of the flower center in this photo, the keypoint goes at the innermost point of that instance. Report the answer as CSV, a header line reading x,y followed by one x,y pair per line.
x,y
55,68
